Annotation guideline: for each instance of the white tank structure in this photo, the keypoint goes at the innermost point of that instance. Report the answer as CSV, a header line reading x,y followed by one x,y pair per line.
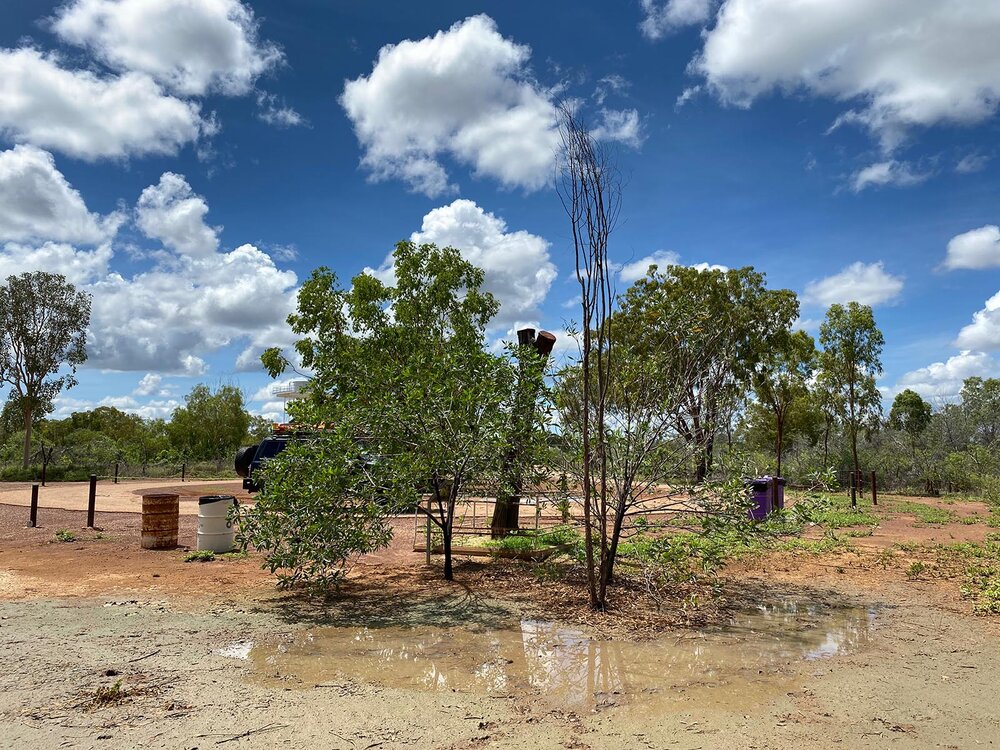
x,y
215,529
289,391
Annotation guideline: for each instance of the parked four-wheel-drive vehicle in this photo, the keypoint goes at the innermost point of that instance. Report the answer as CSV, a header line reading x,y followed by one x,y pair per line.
x,y
249,459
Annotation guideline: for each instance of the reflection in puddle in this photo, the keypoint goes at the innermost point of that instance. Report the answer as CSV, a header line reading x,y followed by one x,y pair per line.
x,y
564,667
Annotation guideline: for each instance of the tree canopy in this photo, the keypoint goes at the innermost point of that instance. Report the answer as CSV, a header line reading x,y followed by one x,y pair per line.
x,y
43,328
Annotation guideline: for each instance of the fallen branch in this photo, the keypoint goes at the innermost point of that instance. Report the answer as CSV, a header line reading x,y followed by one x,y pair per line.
x,y
140,658
265,728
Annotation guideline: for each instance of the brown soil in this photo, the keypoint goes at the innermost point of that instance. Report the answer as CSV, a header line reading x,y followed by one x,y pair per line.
x,y
77,616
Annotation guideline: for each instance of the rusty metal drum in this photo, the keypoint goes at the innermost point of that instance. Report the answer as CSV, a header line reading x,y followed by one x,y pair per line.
x,y
160,515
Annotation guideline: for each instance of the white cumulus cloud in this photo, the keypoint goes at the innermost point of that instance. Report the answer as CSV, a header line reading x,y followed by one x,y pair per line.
x,y
978,248
983,333
174,214
518,271
194,300
943,380
638,268
80,267
190,46
899,63
635,270
463,94
660,18
87,116
164,320
868,284
38,204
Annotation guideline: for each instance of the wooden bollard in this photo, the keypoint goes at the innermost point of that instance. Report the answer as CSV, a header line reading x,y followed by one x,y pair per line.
x,y
183,471
427,543
874,490
854,490
116,472
33,513
92,501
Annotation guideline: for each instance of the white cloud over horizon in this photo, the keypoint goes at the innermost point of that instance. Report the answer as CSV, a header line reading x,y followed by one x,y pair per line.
x,y
867,284
517,267
983,333
942,381
636,269
193,300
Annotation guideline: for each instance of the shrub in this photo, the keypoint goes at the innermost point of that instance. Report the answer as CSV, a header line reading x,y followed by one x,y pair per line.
x,y
319,510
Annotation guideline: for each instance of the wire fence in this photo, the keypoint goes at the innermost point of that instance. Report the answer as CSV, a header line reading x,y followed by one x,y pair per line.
x,y
117,471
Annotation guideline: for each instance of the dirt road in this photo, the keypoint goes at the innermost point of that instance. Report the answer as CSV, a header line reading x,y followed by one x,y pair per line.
x,y
105,645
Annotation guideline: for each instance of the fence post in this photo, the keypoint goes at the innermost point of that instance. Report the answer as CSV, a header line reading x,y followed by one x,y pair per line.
x,y
33,513
92,501
874,490
116,472
427,544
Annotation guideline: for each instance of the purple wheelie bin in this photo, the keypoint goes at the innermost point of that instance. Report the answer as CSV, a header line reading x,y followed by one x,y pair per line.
x,y
762,490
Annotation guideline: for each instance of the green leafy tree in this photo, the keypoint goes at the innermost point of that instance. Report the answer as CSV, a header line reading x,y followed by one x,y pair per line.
x,y
316,512
981,402
403,370
781,379
43,325
849,363
712,328
910,413
259,429
209,425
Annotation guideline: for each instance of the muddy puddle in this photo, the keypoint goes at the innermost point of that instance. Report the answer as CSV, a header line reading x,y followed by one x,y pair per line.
x,y
759,653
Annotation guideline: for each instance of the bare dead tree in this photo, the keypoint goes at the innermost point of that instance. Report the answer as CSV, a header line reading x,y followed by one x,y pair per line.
x,y
589,187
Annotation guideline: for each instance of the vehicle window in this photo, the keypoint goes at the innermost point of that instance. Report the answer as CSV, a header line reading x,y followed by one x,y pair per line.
x,y
270,448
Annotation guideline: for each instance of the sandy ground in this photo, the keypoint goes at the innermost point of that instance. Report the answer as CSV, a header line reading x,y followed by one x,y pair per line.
x,y
99,611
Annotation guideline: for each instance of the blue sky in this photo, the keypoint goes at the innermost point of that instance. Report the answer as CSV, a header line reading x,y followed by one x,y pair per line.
x,y
189,162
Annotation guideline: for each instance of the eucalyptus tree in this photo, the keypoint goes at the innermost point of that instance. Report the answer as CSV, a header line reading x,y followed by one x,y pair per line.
x,y
981,402
706,331
849,363
210,424
781,378
43,328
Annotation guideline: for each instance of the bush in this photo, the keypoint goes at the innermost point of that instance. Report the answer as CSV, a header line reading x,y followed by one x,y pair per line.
x,y
317,512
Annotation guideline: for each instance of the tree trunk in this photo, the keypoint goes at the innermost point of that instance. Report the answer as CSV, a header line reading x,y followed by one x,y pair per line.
x,y
447,553
26,410
616,533
778,447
